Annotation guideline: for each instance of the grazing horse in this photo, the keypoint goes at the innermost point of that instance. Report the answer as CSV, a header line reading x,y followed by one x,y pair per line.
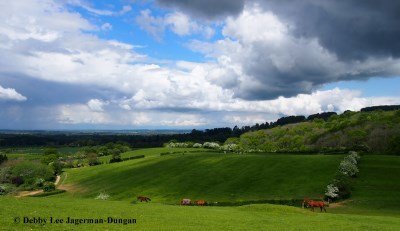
x,y
313,204
186,202
143,198
201,202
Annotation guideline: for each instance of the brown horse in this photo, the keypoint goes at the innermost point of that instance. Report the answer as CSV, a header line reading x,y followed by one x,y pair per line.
x,y
315,204
143,198
201,202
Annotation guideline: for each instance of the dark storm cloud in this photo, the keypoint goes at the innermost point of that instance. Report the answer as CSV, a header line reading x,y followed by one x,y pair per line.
x,y
352,29
207,8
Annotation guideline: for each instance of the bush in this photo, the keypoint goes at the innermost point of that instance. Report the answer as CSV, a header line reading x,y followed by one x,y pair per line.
x,y
347,168
102,196
39,182
197,145
48,186
6,188
332,191
211,145
92,159
3,158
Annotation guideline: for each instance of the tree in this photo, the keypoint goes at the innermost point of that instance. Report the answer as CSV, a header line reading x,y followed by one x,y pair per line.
x,y
92,159
3,158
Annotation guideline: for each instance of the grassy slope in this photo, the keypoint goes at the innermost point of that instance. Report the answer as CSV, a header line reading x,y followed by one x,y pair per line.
x,y
209,176
153,152
377,188
155,216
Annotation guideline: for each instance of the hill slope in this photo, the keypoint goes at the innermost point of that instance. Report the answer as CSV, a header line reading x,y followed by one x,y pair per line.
x,y
209,176
348,131
376,190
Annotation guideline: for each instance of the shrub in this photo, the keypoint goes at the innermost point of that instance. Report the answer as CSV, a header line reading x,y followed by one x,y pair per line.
x,y
211,145
39,182
48,186
347,168
229,147
92,159
332,191
102,196
197,145
6,188
3,158
178,145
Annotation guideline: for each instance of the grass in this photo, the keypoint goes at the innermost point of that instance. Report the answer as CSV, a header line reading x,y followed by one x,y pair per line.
x,y
154,152
154,216
210,176
377,188
374,203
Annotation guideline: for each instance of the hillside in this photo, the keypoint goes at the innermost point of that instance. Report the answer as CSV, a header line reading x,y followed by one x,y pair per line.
x,y
376,190
210,176
373,132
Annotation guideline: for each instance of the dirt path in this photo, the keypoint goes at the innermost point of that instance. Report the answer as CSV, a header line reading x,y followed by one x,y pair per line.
x,y
339,204
28,193
58,178
31,193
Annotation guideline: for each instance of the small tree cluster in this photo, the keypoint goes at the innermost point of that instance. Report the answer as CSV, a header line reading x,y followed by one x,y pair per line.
x,y
341,185
229,148
211,145
178,145
348,166
197,145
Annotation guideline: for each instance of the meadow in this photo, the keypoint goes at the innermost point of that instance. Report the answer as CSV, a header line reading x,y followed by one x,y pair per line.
x,y
169,174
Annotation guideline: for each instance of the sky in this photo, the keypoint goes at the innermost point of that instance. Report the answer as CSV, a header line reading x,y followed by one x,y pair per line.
x,y
179,64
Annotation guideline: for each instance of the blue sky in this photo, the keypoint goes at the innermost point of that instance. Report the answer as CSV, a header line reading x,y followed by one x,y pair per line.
x,y
82,64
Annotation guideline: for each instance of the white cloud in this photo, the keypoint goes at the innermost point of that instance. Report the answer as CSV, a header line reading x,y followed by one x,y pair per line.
x,y
248,59
270,61
96,104
10,94
178,22
106,26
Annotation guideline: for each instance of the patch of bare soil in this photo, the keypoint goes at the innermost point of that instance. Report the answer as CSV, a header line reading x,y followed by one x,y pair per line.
x,y
339,204
28,193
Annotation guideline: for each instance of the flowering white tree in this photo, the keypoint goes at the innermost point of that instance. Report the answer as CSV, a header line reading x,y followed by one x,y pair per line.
x,y
197,145
229,147
332,191
211,145
102,196
347,168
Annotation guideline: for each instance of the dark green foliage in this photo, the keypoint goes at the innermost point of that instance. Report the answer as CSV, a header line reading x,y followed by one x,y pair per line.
x,y
323,115
57,167
290,120
375,132
3,158
92,159
50,151
49,158
48,186
383,108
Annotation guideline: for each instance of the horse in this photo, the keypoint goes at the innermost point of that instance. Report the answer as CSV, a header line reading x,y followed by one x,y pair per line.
x,y
143,198
201,202
313,204
186,202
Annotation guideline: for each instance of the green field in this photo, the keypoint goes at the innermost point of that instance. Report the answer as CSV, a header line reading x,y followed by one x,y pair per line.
x,y
154,216
215,177
377,188
211,176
